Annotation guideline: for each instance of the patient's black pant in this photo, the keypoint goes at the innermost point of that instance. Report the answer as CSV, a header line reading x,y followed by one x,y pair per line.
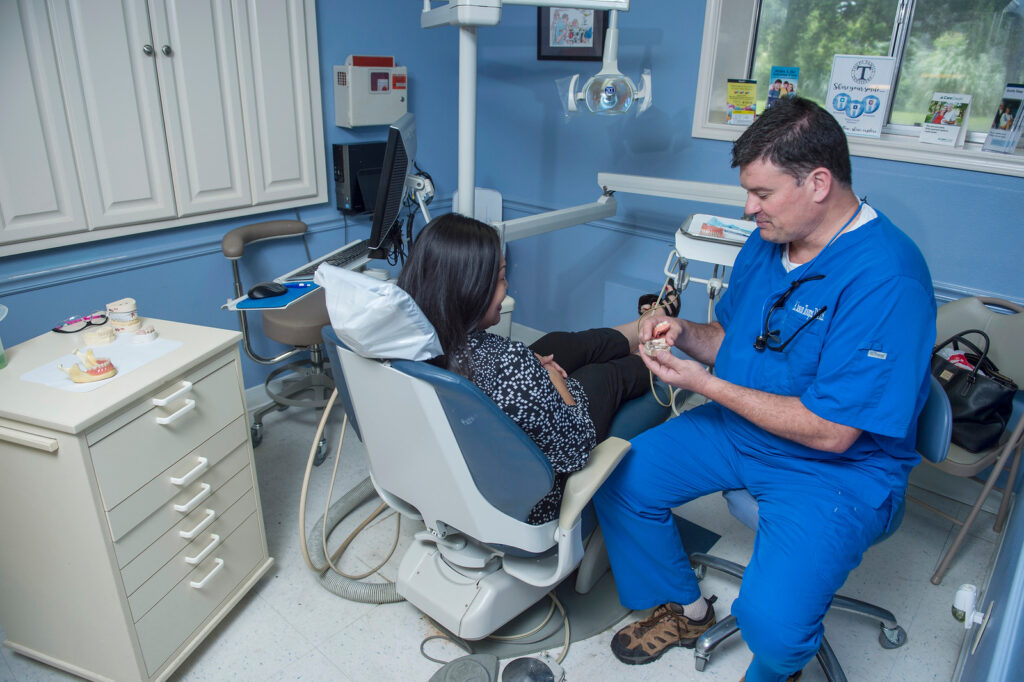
x,y
601,360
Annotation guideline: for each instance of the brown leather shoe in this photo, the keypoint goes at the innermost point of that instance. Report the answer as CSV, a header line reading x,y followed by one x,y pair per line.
x,y
646,640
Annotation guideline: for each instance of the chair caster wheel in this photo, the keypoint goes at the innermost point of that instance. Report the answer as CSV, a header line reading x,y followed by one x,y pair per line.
x,y
699,662
256,433
892,638
321,452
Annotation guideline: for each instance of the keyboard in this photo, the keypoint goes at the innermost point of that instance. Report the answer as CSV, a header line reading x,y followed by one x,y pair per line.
x,y
347,255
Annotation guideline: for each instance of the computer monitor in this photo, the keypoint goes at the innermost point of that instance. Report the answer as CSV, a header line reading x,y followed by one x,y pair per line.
x,y
385,232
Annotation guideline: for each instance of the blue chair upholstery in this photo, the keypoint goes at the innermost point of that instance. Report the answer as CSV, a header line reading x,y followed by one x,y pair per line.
x,y
934,429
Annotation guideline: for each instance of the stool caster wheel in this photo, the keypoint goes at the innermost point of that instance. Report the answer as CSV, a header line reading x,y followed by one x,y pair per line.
x,y
892,638
256,433
699,662
321,452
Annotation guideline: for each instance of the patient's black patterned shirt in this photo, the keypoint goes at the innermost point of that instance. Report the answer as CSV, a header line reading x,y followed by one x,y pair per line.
x,y
512,376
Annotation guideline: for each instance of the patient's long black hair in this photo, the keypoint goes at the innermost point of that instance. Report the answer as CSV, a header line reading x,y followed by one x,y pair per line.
x,y
452,273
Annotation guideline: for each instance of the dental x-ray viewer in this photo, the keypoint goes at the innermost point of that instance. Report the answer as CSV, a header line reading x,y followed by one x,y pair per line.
x,y
821,353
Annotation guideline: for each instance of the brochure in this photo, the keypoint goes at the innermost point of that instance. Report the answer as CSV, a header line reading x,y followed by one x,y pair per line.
x,y
740,101
782,83
1006,123
858,92
946,119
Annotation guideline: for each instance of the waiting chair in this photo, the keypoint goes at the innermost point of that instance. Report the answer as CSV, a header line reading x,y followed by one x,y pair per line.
x,y
440,450
934,429
1005,331
298,326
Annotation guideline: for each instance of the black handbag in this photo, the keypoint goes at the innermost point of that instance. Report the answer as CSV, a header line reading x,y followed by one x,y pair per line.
x,y
981,404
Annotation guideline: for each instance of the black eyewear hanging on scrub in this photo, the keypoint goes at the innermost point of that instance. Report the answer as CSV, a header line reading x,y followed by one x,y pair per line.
x,y
768,336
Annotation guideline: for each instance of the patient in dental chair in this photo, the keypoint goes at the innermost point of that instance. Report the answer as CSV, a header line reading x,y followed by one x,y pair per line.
x,y
563,390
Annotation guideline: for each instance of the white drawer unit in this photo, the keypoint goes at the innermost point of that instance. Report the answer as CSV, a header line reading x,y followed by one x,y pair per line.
x,y
132,521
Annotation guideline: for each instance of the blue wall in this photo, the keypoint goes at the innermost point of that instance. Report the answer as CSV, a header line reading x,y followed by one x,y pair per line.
x,y
966,223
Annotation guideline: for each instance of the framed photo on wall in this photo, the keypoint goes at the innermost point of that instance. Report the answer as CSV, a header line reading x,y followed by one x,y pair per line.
x,y
566,33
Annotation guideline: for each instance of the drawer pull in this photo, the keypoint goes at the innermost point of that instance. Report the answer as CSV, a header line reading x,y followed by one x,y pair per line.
x,y
200,527
192,475
199,584
189,406
29,440
214,541
160,402
194,502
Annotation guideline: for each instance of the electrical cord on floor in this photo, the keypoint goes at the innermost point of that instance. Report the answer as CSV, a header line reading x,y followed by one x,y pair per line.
x,y
507,638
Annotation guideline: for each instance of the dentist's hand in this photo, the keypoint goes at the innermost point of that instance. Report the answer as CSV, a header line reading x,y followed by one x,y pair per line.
x,y
685,374
660,326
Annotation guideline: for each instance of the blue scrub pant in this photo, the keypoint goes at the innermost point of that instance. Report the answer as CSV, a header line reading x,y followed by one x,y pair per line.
x,y
812,531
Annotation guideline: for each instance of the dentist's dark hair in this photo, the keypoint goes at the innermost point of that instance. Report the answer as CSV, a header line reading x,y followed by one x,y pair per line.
x,y
798,136
452,273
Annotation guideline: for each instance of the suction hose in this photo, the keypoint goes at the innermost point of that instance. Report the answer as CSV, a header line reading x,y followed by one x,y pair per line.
x,y
313,549
346,588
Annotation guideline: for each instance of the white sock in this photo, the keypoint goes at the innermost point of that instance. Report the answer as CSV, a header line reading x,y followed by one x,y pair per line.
x,y
697,610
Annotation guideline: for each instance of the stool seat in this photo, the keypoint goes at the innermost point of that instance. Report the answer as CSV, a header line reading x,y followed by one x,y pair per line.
x,y
300,323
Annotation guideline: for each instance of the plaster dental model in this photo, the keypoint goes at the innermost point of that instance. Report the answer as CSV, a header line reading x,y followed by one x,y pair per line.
x,y
145,335
96,369
658,343
100,336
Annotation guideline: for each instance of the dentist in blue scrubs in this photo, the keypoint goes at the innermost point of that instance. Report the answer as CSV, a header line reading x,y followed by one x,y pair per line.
x,y
820,352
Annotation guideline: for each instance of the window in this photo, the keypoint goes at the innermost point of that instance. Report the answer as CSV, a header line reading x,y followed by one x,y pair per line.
x,y
970,46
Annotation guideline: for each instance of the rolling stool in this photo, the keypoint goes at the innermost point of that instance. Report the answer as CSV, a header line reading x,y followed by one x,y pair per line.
x,y
297,325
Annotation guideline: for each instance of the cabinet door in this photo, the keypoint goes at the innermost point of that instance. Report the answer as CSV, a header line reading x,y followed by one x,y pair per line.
x,y
113,101
277,44
199,86
39,194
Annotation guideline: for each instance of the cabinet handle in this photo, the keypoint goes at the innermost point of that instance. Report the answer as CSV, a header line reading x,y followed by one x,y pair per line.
x,y
29,440
200,527
194,502
147,50
214,541
192,475
189,406
186,387
166,49
202,583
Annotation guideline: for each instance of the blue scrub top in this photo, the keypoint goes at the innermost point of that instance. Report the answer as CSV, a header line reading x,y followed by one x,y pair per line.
x,y
863,363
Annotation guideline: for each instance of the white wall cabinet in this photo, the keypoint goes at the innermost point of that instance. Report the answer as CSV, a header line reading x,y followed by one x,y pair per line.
x,y
130,115
130,514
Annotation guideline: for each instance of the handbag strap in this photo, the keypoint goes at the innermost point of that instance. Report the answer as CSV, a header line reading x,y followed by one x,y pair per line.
x,y
960,337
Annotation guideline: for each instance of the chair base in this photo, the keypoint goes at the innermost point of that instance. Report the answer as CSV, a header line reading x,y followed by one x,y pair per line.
x,y
470,604
891,635
309,378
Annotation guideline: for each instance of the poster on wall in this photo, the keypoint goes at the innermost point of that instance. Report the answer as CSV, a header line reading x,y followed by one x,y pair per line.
x,y
858,92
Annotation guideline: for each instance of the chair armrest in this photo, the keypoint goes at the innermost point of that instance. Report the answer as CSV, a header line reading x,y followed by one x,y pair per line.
x,y
235,241
582,485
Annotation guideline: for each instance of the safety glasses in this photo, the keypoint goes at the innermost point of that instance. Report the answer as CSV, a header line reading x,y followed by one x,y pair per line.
x,y
770,338
78,323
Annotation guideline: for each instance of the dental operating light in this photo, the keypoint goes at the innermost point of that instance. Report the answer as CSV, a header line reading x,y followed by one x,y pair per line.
x,y
609,92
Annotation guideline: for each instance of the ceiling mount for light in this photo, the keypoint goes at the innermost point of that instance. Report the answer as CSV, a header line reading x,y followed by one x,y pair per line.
x,y
609,92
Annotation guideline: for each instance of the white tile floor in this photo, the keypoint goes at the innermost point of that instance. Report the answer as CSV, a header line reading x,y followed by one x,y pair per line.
x,y
290,628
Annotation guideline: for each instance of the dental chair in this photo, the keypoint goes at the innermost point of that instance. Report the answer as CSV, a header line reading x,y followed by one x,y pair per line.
x,y
934,429
440,450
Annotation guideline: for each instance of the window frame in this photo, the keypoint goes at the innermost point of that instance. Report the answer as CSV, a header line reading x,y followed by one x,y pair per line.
x,y
727,22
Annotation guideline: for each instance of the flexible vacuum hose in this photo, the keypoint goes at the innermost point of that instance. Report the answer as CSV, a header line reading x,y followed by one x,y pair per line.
x,y
353,590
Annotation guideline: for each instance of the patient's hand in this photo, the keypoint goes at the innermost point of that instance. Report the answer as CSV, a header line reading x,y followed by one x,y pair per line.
x,y
548,362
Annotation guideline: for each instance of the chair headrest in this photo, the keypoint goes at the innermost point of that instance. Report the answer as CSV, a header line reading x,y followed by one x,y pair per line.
x,y
376,319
